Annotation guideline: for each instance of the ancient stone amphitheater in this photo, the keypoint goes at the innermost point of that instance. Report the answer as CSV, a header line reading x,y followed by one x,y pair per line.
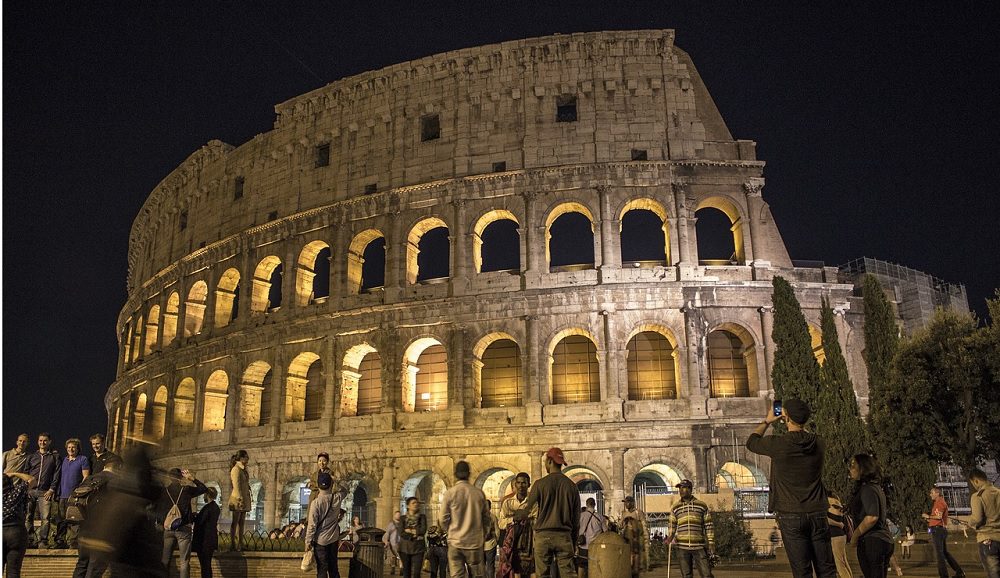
x,y
475,255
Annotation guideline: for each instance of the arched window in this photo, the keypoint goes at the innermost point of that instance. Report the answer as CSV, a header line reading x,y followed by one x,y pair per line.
x,y
312,277
428,251
498,371
304,380
719,230
152,329
227,298
588,483
575,372
266,293
569,238
425,379
255,400
158,417
170,318
656,477
644,234
731,363
194,308
139,418
496,243
652,367
734,476
366,262
184,407
361,389
216,393
430,488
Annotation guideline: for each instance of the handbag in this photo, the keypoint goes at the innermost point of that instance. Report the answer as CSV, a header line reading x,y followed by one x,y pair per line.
x,y
308,562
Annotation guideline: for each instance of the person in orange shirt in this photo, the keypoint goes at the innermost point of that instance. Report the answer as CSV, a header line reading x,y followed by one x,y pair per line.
x,y
937,522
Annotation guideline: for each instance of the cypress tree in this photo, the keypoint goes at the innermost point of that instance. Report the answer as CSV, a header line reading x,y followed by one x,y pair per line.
x,y
837,419
796,372
881,343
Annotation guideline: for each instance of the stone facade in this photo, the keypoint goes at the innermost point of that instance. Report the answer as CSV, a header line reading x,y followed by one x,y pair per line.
x,y
641,370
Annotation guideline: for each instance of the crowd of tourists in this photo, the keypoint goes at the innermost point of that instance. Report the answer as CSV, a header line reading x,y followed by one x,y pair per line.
x,y
127,516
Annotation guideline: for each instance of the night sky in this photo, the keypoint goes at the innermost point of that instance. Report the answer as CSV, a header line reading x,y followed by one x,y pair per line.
x,y
879,129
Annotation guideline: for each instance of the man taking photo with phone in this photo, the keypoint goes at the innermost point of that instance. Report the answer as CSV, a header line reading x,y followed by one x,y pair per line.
x,y
797,498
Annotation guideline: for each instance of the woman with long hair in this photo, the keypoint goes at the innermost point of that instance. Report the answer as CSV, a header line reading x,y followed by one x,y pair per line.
x,y
239,498
868,510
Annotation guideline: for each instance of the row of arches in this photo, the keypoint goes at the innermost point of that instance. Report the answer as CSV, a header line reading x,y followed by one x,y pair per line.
x,y
652,360
496,247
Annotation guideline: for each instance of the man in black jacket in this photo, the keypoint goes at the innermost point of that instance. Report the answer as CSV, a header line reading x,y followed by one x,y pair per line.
x,y
183,488
797,498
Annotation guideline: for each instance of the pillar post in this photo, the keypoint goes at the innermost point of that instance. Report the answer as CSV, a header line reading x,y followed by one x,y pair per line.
x,y
532,373
611,255
698,390
458,267
753,253
766,328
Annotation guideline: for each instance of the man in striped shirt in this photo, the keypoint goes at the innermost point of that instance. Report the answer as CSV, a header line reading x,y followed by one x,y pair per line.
x,y
691,530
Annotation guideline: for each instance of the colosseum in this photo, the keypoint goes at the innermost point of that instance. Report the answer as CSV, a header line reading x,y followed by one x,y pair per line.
x,y
475,255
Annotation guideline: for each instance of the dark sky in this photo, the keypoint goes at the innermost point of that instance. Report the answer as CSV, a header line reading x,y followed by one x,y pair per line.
x,y
878,124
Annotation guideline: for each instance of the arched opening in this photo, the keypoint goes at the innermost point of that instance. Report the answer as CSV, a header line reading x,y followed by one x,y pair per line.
x,y
644,234
732,363
227,298
152,329
736,476
496,484
304,389
358,503
366,262
497,371
216,393
816,341
429,488
496,243
719,230
194,308
575,371
158,416
428,251
655,479
361,381
255,390
184,407
652,366
588,483
312,277
139,418
266,293
295,500
137,339
170,318
425,376
569,238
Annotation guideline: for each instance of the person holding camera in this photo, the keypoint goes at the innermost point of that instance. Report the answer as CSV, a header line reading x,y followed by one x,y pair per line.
x,y
797,496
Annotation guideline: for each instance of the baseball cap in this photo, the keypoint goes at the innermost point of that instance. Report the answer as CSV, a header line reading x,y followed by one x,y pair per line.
x,y
556,455
685,483
796,410
324,481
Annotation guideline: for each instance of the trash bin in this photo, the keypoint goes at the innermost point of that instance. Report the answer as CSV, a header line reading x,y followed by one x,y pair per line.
x,y
609,557
368,560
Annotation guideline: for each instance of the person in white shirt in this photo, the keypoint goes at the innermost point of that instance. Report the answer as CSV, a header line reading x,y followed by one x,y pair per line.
x,y
465,520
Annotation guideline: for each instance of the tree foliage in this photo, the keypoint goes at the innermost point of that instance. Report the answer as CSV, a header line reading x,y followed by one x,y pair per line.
x,y
838,419
732,536
881,342
796,372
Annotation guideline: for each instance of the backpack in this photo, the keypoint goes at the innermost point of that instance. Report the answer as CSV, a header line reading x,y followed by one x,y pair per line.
x,y
174,519
79,500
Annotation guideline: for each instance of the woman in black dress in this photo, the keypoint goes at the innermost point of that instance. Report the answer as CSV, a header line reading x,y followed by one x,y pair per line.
x,y
868,510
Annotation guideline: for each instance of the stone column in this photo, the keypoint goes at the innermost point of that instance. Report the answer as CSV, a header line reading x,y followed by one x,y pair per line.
x,y
395,257
534,264
611,388
278,385
456,378
532,364
459,238
617,481
698,391
766,327
611,255
331,393
272,496
755,201
245,288
208,320
339,255
391,371
687,247
289,271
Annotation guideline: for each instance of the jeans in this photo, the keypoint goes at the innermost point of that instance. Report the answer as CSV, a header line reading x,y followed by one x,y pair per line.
x,y
989,555
873,556
183,538
412,563
807,543
15,542
944,558
690,559
490,558
36,502
839,545
553,547
326,560
439,561
459,558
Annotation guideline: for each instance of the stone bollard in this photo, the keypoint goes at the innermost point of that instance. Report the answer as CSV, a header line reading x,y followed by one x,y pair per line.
x,y
609,557
368,560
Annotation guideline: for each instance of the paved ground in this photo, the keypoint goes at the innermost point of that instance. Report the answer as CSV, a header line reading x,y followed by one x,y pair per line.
x,y
771,568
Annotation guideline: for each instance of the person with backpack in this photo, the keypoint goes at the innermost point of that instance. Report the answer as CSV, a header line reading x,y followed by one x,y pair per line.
x,y
174,508
323,529
206,532
591,524
868,510
85,499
